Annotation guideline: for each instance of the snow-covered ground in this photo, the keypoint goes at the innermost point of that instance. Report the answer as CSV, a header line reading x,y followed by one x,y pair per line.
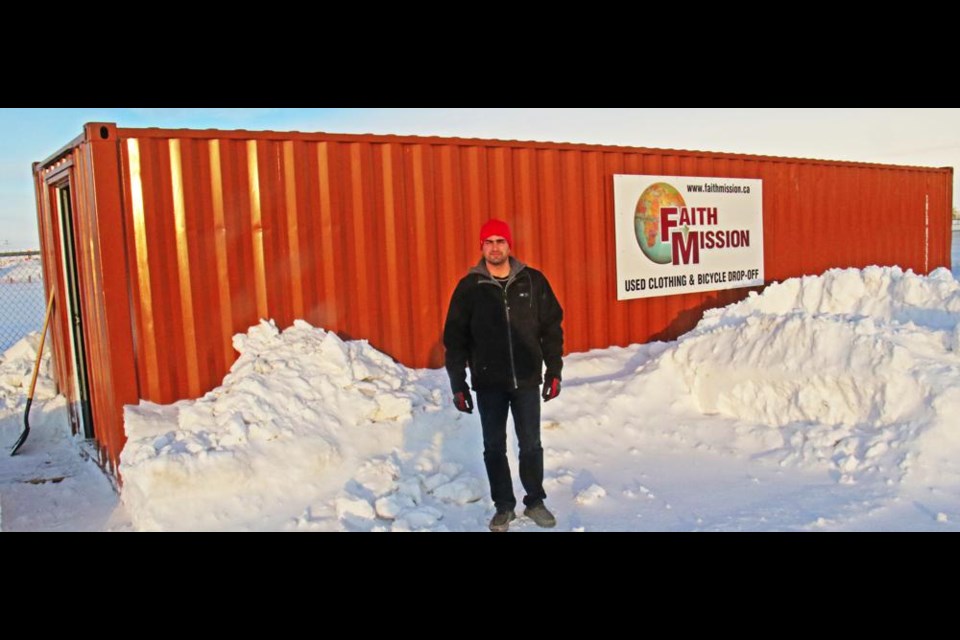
x,y
48,486
21,268
827,403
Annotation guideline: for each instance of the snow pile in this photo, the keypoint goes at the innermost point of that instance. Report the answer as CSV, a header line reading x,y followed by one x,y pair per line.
x,y
16,371
825,402
298,411
856,369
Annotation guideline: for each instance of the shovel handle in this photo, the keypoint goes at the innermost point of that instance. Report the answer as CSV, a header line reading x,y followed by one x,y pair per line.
x,y
43,337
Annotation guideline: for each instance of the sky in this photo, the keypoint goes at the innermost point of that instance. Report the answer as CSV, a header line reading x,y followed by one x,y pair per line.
x,y
826,403
923,137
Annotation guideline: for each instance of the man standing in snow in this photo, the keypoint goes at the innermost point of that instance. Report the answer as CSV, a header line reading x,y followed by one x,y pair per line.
x,y
504,323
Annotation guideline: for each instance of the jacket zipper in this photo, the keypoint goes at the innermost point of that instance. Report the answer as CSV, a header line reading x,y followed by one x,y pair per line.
x,y
506,309
506,306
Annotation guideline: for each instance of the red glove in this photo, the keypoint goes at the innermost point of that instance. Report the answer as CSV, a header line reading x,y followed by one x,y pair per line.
x,y
551,388
463,402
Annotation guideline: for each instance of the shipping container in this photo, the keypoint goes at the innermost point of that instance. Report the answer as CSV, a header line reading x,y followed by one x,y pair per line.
x,y
162,244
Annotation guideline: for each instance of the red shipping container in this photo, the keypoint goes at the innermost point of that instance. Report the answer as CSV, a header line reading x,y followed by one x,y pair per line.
x,y
172,241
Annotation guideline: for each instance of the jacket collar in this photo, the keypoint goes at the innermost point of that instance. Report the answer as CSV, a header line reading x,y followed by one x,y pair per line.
x,y
515,268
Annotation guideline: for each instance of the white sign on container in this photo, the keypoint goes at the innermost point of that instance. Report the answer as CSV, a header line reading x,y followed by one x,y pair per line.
x,y
683,234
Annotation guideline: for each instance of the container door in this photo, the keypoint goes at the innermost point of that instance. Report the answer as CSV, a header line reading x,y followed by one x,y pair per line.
x,y
81,419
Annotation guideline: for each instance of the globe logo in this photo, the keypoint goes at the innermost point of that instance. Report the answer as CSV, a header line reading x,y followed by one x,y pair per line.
x,y
646,220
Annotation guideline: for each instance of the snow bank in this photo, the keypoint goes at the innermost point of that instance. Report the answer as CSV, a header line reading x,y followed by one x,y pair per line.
x,y
295,410
858,369
16,371
852,376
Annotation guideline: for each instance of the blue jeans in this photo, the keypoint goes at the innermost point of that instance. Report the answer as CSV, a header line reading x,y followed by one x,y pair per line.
x,y
525,406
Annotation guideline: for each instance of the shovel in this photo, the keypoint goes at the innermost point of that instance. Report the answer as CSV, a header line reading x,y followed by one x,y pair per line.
x,y
33,382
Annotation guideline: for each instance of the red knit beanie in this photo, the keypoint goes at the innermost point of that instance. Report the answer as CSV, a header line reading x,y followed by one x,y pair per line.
x,y
495,228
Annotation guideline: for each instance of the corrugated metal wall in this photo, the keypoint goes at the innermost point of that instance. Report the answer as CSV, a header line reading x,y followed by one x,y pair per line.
x,y
368,235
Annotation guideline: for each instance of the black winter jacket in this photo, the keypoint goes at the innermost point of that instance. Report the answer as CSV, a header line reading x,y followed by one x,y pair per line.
x,y
504,333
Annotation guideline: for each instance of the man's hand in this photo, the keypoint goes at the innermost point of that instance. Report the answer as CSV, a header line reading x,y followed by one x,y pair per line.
x,y
551,388
463,402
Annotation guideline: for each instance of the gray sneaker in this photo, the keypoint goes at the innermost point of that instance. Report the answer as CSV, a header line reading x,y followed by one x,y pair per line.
x,y
540,515
501,520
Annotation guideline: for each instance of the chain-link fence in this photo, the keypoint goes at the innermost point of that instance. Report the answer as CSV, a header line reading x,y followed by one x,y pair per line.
x,y
22,301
